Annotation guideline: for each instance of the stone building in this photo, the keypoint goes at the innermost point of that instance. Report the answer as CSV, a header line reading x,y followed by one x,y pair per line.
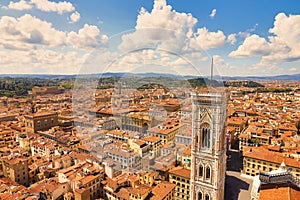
x,y
208,154
181,178
41,121
47,90
16,168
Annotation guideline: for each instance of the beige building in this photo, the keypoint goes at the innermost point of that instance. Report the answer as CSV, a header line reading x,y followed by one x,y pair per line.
x,y
126,186
7,137
139,122
260,159
83,175
147,178
238,123
166,132
155,145
47,90
16,168
181,178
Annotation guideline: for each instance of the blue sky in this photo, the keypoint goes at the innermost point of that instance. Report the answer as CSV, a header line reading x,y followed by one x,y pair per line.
x,y
245,38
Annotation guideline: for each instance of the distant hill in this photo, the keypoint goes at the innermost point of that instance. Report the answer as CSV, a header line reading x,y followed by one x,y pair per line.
x,y
203,82
125,74
40,76
294,77
246,83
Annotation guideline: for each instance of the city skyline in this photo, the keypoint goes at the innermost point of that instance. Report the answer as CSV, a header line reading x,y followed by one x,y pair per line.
x,y
249,38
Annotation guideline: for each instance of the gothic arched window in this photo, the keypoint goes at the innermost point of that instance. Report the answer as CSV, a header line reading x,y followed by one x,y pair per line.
x,y
207,197
199,196
205,138
201,171
207,173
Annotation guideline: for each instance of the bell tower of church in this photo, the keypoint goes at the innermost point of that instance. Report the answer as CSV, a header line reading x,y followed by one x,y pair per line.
x,y
209,146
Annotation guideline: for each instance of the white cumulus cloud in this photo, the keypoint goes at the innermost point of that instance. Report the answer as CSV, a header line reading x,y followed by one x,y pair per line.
x,y
50,6
27,31
207,40
41,61
165,28
43,5
87,37
75,17
20,5
281,47
252,46
231,38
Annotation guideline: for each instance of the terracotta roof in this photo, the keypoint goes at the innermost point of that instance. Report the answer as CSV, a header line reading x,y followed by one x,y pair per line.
x,y
151,139
162,190
140,190
279,193
261,153
140,143
40,114
180,171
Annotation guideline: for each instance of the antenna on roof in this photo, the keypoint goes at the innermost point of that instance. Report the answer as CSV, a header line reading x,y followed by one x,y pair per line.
x,y
211,71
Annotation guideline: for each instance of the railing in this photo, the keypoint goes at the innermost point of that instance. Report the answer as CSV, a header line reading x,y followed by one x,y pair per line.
x,y
285,177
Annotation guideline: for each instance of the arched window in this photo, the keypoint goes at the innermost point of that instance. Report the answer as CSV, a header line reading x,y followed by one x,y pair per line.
x,y
201,171
207,173
207,197
205,137
199,196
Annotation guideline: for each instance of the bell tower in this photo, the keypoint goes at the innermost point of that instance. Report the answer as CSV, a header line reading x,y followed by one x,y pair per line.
x,y
209,147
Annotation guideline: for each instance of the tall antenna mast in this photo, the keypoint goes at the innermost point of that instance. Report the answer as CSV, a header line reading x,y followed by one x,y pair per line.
x,y
211,71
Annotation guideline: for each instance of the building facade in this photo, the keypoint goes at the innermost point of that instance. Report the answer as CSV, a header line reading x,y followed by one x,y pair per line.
x,y
260,159
16,168
209,147
181,178
41,121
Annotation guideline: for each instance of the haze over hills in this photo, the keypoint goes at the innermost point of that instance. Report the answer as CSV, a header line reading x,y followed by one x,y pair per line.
x,y
110,74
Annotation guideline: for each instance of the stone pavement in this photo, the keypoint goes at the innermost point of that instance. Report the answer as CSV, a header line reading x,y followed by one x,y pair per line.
x,y
237,187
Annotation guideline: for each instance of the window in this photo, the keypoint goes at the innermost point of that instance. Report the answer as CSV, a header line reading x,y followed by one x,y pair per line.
x,y
207,197
207,175
200,196
205,137
201,171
